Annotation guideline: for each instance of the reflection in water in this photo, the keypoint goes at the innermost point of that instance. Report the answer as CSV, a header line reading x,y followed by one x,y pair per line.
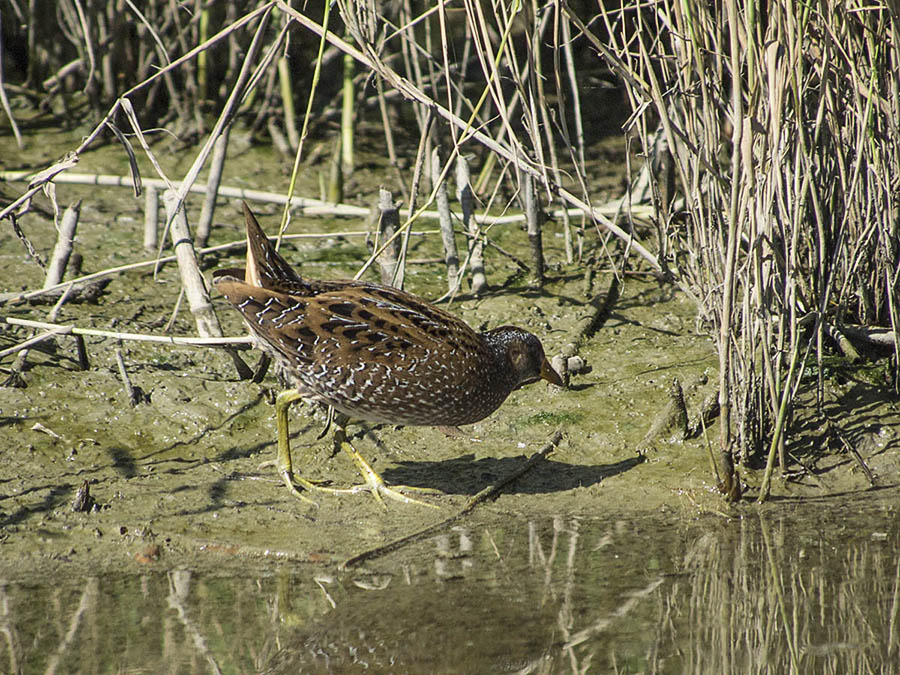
x,y
758,593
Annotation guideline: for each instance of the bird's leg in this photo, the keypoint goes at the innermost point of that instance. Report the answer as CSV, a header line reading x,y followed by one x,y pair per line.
x,y
283,462
374,483
329,418
283,459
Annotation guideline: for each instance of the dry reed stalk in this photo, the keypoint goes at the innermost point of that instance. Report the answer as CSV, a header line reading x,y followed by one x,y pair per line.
x,y
220,150
245,342
192,281
123,104
151,218
451,255
534,218
287,100
348,117
368,55
238,90
317,71
782,141
470,225
388,229
191,278
56,269
388,129
306,205
130,390
418,171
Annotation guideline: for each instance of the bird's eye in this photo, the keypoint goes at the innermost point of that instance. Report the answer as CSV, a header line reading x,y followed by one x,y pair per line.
x,y
517,354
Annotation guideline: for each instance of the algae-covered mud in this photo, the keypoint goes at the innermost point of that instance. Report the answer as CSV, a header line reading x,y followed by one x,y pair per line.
x,y
615,551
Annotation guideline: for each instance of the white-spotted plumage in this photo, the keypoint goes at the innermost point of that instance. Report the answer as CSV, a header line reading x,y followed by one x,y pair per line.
x,y
375,352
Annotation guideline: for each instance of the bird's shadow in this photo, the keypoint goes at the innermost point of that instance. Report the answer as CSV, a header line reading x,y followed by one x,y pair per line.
x,y
468,476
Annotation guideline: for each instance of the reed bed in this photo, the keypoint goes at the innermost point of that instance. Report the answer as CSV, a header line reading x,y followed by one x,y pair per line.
x,y
774,133
768,141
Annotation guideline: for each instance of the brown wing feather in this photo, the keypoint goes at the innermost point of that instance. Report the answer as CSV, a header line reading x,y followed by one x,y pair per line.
x,y
371,351
348,322
264,264
275,318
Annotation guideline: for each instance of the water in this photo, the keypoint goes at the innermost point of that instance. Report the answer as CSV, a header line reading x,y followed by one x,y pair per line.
x,y
794,588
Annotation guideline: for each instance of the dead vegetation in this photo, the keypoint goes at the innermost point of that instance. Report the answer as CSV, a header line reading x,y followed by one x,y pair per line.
x,y
766,188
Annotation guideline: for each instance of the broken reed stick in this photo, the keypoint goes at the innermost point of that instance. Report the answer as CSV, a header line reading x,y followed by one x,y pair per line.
x,y
534,220
476,246
442,202
56,269
191,278
192,281
217,163
388,224
151,218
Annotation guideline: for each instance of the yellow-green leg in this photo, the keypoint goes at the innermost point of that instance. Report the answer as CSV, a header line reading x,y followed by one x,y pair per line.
x,y
284,465
374,483
283,459
283,462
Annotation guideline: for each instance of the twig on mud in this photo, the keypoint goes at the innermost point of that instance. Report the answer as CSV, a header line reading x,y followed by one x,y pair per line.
x,y
135,395
32,341
833,429
67,329
483,496
600,305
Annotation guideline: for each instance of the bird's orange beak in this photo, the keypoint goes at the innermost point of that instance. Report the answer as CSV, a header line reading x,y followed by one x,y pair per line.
x,y
547,373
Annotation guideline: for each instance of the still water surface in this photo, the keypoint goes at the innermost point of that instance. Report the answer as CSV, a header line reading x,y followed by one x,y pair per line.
x,y
810,589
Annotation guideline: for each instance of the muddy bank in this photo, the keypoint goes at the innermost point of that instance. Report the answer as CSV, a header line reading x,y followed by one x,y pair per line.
x,y
176,477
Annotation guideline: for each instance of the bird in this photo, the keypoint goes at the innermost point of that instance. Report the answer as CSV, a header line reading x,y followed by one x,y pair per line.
x,y
373,353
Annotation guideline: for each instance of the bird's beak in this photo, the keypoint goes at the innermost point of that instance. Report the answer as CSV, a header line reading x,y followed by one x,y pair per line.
x,y
547,373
